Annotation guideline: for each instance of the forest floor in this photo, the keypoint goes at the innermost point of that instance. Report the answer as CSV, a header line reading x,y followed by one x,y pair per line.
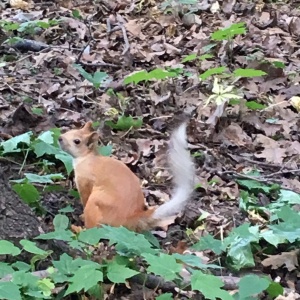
x,y
258,132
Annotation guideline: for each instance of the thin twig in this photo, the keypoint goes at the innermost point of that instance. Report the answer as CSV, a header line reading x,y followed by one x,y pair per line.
x,y
127,46
100,64
87,24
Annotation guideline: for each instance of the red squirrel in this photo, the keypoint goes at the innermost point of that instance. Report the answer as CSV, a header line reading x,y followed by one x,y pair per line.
x,y
111,193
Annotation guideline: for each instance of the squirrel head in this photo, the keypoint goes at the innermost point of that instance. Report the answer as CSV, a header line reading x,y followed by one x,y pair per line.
x,y
79,142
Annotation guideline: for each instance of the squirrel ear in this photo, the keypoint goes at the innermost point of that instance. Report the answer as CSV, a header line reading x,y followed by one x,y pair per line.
x,y
92,139
88,126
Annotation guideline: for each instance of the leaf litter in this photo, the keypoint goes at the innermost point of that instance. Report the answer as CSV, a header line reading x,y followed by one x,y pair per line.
x,y
41,88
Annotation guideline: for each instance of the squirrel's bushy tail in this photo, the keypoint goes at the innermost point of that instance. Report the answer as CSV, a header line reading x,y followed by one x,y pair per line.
x,y
183,171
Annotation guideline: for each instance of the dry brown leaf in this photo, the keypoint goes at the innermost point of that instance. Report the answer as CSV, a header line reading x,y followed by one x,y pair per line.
x,y
19,4
289,259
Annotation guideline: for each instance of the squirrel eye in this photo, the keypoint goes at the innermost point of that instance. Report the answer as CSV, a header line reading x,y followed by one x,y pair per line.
x,y
77,142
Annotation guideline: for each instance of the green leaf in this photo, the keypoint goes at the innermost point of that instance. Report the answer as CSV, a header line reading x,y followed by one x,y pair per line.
x,y
194,261
166,296
34,178
288,197
46,137
27,192
248,73
7,247
136,77
209,286
67,160
9,291
278,64
98,78
67,209
41,148
117,273
105,150
90,236
37,111
46,286
164,265
23,278
255,106
21,266
229,32
190,57
60,222
209,242
32,248
160,74
5,268
11,145
251,285
211,72
275,289
125,123
76,14
65,264
84,278
253,185
126,240
143,75
63,235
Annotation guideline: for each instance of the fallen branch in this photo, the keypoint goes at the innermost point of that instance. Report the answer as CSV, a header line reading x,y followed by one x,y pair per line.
x,y
29,45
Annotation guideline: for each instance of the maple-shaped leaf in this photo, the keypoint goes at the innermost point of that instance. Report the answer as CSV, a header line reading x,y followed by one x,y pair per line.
x,y
209,286
84,278
118,273
163,265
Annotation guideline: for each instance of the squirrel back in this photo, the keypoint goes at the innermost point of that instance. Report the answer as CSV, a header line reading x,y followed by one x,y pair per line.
x,y
111,193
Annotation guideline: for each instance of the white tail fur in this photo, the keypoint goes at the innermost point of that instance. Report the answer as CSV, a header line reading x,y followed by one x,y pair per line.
x,y
183,171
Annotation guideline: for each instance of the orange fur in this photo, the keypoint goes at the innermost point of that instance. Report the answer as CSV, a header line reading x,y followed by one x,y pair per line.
x,y
110,192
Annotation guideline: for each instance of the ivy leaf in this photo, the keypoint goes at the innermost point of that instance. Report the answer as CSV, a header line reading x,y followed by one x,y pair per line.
x,y
164,265
67,160
126,240
5,268
9,291
46,137
32,248
63,235
84,278
60,222
194,261
34,178
27,192
209,286
90,236
7,247
118,273
11,145
209,242
250,285
24,278
41,148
